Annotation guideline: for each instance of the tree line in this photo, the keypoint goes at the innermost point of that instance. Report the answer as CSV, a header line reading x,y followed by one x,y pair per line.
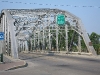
x,y
72,42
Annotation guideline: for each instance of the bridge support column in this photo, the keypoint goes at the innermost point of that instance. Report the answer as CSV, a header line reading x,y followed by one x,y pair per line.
x,y
66,39
57,38
26,46
1,29
8,41
19,48
79,44
86,39
10,22
6,30
31,44
49,40
34,41
14,47
3,42
38,40
43,46
22,45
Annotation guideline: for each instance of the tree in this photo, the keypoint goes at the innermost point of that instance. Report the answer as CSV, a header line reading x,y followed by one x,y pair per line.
x,y
95,39
72,40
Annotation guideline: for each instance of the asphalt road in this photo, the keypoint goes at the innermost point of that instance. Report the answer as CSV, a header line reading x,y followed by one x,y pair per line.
x,y
50,64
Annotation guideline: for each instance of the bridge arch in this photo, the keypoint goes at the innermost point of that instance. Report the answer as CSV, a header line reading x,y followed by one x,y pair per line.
x,y
36,29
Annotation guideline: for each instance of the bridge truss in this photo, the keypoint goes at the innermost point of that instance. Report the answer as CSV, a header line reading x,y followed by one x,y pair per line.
x,y
36,29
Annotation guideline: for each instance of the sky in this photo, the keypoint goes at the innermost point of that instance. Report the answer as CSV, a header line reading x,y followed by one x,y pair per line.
x,y
87,10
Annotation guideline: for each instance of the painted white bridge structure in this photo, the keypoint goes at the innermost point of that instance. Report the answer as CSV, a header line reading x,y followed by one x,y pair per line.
x,y
37,29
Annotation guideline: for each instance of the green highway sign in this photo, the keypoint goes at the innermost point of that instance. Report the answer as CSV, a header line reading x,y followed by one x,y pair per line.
x,y
60,19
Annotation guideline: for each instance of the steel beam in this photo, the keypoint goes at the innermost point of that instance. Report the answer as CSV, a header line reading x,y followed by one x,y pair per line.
x,y
10,22
21,21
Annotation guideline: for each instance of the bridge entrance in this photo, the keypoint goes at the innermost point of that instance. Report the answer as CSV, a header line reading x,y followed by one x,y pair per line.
x,y
39,30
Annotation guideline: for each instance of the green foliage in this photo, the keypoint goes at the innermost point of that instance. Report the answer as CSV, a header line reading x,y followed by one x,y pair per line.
x,y
95,38
83,46
54,43
29,44
72,40
61,40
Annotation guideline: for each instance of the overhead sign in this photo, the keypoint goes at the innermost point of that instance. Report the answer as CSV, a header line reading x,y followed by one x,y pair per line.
x,y
1,35
60,19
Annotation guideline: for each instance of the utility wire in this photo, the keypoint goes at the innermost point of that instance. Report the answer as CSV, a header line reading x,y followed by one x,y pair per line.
x,y
50,4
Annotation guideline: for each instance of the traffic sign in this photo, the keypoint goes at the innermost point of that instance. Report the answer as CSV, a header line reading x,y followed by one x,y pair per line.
x,y
60,19
1,35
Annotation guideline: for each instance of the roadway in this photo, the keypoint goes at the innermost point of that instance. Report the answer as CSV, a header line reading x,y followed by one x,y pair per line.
x,y
50,64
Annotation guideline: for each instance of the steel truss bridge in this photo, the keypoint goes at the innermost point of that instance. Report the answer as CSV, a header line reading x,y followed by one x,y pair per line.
x,y
36,29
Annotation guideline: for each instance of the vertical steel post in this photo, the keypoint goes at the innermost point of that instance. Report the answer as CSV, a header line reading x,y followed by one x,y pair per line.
x,y
86,39
14,47
1,42
66,39
38,40
1,53
1,29
7,35
31,44
57,37
43,39
79,43
19,46
26,46
49,39
49,33
34,41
